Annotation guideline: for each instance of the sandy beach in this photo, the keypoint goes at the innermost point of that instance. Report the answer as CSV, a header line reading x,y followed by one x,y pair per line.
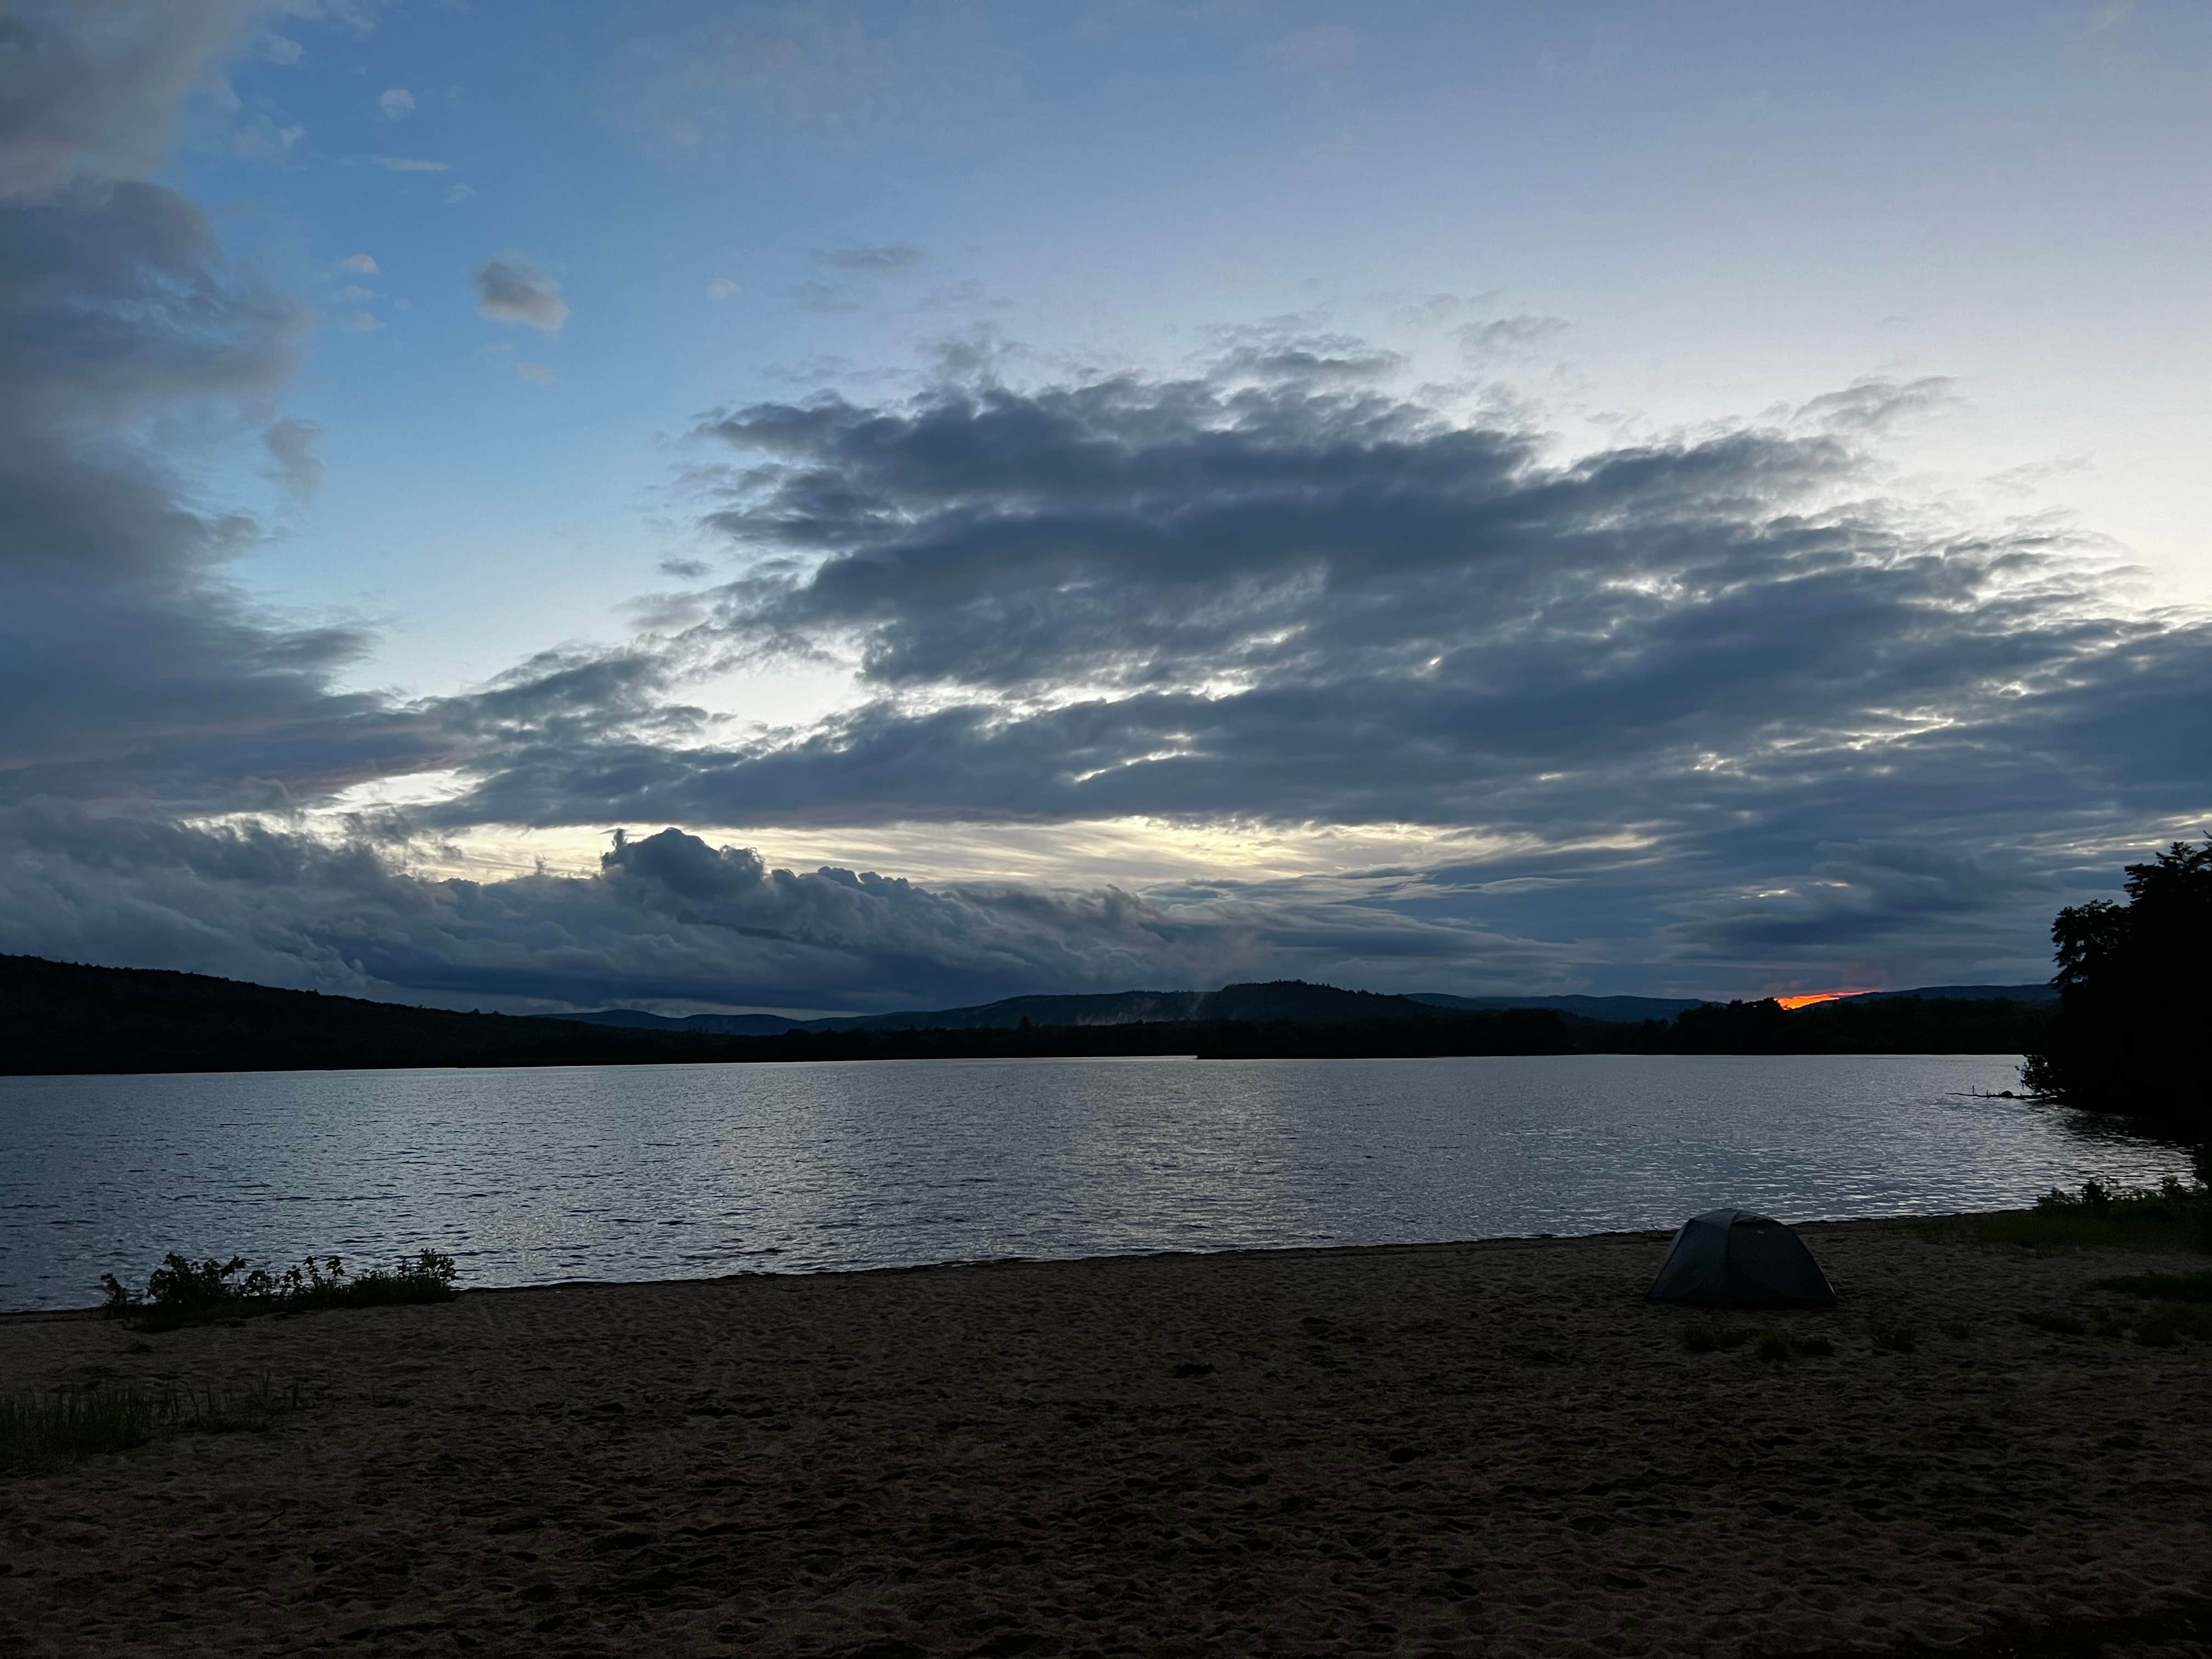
x,y
1492,1447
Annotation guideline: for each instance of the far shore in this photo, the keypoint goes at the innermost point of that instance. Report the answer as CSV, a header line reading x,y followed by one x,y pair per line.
x,y
1482,1448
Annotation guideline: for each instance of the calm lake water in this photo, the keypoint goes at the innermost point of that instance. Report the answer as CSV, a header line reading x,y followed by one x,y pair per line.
x,y
676,1171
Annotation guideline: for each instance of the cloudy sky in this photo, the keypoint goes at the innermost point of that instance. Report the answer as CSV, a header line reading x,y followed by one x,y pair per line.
x,y
836,506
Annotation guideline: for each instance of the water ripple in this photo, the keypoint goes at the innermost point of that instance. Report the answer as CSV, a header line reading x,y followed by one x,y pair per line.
x,y
531,1176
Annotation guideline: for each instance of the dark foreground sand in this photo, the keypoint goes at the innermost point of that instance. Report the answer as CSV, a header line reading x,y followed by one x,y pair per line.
x,y
1491,1448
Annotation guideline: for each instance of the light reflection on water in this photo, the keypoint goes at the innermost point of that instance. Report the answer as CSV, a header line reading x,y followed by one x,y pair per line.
x,y
531,1176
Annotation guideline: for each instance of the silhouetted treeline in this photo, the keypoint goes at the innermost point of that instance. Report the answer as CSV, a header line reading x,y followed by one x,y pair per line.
x,y
60,1017
2129,1035
1887,1025
57,1016
63,1017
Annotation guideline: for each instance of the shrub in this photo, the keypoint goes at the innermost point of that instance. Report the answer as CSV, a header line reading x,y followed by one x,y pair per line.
x,y
1774,1346
1702,1338
1895,1339
181,1292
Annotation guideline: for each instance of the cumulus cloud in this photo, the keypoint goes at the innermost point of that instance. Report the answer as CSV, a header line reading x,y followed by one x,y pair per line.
x,y
536,374
358,264
397,103
722,288
513,290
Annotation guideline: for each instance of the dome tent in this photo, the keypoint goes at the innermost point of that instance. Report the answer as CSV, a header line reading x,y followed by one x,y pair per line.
x,y
1734,1259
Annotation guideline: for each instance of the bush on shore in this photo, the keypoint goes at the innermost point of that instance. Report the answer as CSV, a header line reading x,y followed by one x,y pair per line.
x,y
182,1292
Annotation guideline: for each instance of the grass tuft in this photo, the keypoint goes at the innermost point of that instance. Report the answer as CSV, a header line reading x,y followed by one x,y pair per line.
x,y
182,1292
41,1428
1701,1337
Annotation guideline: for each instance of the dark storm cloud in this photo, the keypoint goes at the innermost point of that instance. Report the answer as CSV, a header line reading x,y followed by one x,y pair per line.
x,y
666,918
129,668
1285,600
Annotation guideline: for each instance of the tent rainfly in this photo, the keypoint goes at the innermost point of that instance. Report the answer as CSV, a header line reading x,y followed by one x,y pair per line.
x,y
1734,1259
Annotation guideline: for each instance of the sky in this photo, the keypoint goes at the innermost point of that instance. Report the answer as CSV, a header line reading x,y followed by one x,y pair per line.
x,y
833,507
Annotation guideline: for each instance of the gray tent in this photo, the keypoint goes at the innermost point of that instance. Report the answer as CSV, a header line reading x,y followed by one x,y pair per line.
x,y
1734,1259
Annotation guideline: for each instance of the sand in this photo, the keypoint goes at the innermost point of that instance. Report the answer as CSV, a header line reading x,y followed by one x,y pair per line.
x,y
1490,1448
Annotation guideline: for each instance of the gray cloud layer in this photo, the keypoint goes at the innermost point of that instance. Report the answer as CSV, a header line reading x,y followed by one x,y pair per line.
x,y
1292,601
130,670
1736,720
665,918
87,87
1828,738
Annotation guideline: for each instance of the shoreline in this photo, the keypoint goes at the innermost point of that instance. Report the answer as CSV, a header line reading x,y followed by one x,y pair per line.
x,y
1488,1447
677,1064
962,1264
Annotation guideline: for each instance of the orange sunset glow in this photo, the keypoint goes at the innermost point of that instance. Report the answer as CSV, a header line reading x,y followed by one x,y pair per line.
x,y
1807,998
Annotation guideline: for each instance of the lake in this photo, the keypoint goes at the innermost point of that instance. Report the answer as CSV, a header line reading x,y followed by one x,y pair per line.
x,y
534,1175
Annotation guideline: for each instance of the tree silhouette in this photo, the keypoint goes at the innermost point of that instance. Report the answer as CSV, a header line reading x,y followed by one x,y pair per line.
x,y
2128,1036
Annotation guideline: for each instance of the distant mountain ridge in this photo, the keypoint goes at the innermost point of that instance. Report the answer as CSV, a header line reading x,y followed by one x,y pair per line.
x,y
75,1017
2037,992
1630,1009
1273,1001
1280,999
